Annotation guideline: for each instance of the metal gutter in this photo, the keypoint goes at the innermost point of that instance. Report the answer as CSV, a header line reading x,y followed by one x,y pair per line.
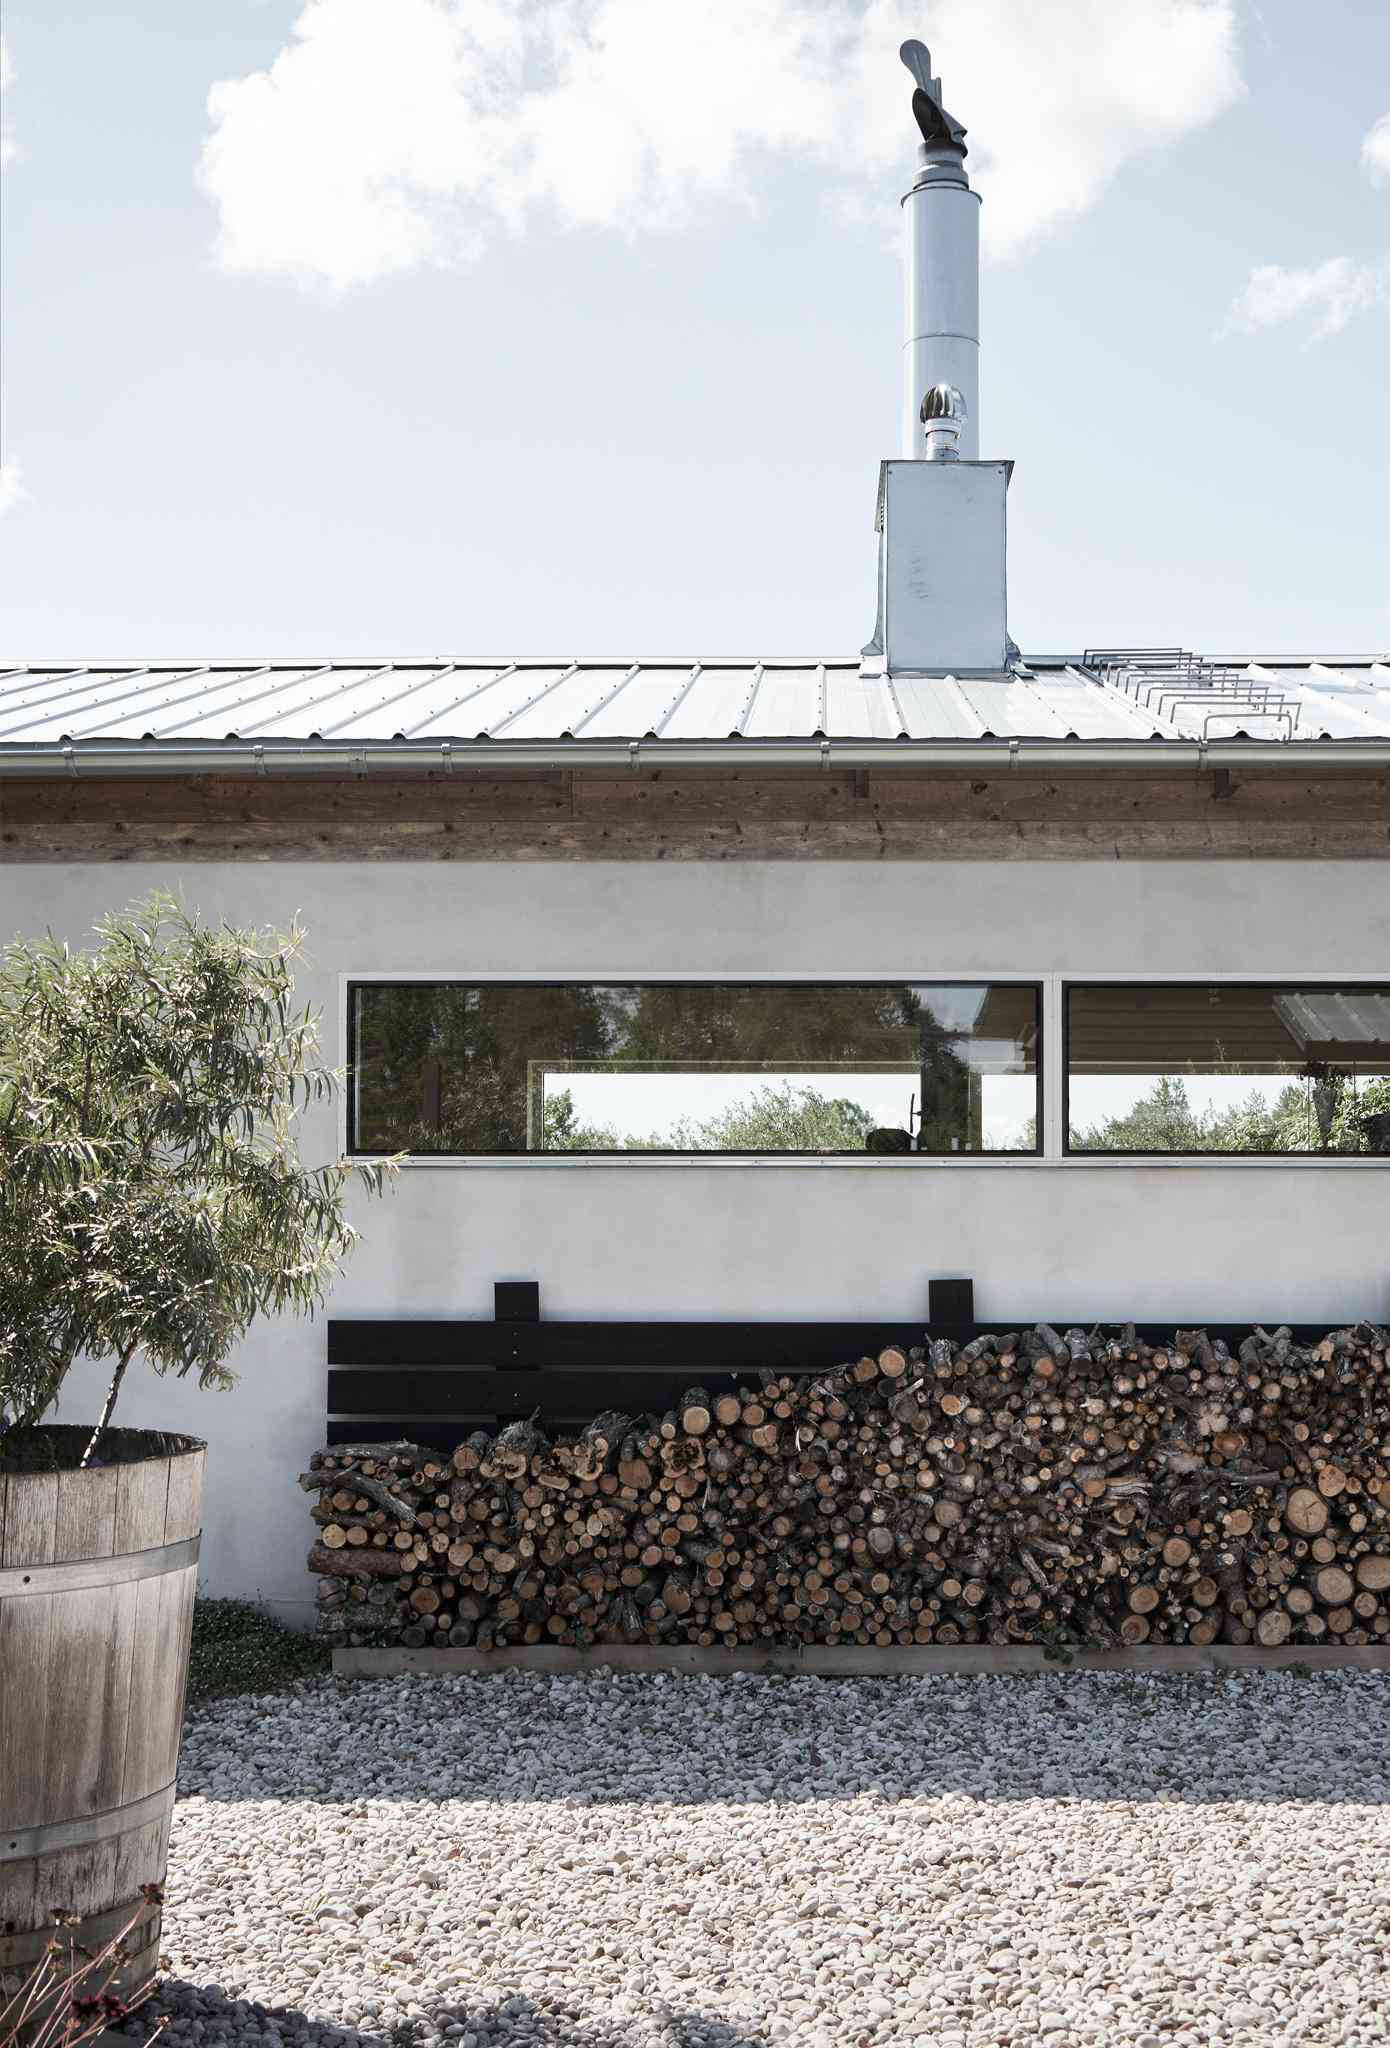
x,y
171,757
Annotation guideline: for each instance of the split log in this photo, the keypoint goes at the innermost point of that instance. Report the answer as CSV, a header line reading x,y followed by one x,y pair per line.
x,y
588,1455
364,1483
1306,1511
1333,1586
513,1450
355,1563
694,1411
408,1454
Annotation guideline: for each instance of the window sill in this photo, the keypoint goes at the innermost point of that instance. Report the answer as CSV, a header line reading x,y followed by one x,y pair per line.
x,y
886,1163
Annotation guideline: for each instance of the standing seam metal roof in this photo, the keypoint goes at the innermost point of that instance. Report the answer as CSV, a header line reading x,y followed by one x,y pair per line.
x,y
1057,699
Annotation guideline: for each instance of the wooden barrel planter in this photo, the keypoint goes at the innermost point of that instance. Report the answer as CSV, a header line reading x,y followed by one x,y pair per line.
x,y
97,1576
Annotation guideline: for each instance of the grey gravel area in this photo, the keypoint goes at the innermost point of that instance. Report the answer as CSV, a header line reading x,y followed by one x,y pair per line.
x,y
641,1862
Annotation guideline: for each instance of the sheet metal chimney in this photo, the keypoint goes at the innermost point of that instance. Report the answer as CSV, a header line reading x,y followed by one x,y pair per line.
x,y
941,269
941,511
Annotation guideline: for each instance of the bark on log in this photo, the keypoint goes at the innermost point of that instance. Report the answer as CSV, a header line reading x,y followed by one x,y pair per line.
x,y
355,1563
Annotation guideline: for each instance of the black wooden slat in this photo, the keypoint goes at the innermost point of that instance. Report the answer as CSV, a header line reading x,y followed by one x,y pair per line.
x,y
474,1342
694,1348
699,1349
442,1392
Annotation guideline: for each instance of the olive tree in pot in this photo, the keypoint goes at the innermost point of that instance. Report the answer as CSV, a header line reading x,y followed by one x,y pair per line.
x,y
153,1203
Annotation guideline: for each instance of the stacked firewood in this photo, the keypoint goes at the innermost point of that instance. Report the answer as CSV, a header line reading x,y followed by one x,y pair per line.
x,y
1038,1487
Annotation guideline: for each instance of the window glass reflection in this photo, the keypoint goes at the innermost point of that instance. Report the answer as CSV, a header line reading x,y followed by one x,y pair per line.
x,y
1228,1068
511,1067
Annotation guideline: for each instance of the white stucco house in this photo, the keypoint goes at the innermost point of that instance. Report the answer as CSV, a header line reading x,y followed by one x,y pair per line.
x,y
770,988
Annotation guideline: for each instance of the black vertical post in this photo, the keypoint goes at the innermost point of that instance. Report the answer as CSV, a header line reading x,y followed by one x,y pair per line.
x,y
516,1308
950,1303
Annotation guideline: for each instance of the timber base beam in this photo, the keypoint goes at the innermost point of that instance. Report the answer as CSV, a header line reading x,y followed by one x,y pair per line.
x,y
812,1660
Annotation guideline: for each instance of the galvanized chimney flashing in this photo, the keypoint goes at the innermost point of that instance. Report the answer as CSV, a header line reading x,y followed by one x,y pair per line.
x,y
941,519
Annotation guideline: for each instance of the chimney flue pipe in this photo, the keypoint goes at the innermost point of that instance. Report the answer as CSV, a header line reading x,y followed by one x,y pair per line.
x,y
942,268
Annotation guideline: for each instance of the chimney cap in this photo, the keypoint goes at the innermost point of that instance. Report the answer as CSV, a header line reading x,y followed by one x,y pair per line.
x,y
940,130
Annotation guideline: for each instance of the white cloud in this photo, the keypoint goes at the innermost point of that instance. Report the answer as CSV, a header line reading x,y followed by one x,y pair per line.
x,y
1335,291
388,134
12,491
1062,94
9,148
1375,151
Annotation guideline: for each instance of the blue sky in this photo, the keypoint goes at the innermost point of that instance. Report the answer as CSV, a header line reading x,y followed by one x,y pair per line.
x,y
572,326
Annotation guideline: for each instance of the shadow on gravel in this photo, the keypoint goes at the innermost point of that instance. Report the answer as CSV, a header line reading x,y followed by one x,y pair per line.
x,y
200,2015
599,1740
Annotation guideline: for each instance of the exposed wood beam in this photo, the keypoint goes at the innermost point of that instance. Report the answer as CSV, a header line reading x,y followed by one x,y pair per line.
x,y
837,815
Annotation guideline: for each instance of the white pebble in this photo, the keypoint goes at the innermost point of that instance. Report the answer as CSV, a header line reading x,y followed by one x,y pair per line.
x,y
616,1861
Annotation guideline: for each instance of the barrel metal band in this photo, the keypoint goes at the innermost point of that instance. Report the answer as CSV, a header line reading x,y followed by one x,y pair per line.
x,y
86,1827
78,1574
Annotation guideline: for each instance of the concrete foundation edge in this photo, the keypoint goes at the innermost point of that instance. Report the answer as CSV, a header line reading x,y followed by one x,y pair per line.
x,y
854,1662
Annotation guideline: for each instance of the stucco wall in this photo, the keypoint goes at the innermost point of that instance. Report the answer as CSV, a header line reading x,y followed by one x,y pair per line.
x,y
1304,1241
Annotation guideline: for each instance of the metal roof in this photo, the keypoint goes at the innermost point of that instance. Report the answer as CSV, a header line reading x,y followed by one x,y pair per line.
x,y
1112,700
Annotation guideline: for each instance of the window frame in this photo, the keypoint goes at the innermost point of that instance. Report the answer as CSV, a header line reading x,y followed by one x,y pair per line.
x,y
350,982
1061,1093
1052,1155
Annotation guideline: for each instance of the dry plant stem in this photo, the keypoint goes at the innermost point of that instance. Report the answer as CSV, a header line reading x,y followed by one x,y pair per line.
x,y
111,1392
67,1998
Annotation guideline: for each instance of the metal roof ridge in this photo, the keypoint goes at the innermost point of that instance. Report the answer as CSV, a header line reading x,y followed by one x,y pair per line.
x,y
218,664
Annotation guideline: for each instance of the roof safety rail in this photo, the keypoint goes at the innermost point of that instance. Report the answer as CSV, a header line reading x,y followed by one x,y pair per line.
x,y
1103,658
1163,679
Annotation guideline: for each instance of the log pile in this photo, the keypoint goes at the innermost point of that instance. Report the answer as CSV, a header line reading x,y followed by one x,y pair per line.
x,y
1077,1487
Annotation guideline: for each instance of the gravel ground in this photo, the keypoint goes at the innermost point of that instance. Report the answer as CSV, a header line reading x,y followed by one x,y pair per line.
x,y
583,1862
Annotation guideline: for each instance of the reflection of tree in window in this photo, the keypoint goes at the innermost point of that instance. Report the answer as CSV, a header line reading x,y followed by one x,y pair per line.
x,y
485,1068
1315,1060
777,1031
443,1067
770,1023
